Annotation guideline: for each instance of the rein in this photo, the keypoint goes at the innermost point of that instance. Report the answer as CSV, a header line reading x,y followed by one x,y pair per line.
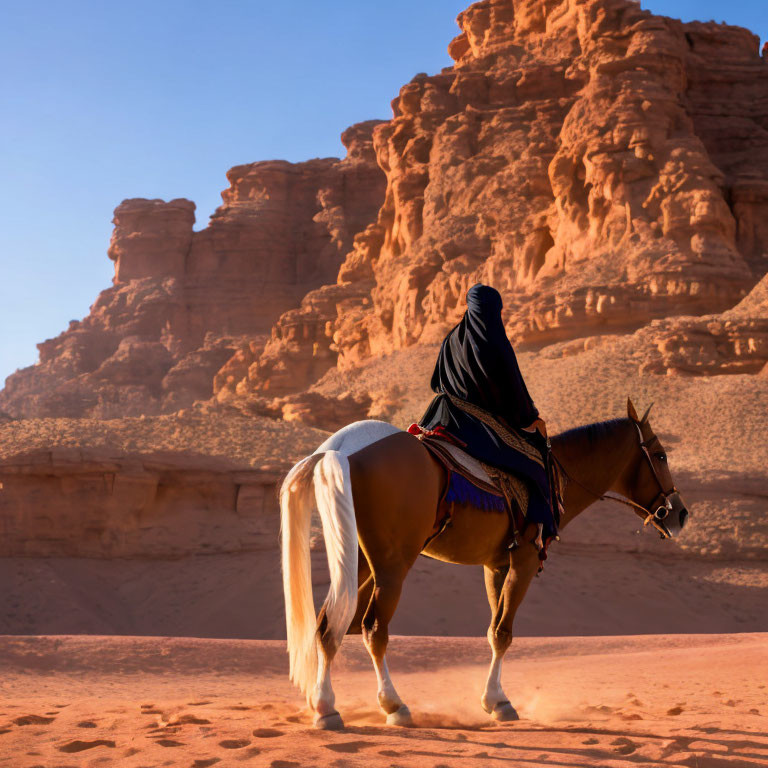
x,y
655,518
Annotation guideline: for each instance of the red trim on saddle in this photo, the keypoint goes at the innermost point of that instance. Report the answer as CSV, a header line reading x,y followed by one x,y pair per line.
x,y
438,431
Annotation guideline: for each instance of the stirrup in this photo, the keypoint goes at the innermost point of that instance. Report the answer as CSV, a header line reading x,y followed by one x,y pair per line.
x,y
538,542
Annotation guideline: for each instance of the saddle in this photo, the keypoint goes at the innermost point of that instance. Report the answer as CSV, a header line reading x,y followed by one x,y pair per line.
x,y
474,482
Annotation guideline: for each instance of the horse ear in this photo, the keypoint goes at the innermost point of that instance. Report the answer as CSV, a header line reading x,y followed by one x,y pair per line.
x,y
645,415
631,412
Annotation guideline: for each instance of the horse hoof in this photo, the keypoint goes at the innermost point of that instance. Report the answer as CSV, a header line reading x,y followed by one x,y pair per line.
x,y
504,712
401,717
331,722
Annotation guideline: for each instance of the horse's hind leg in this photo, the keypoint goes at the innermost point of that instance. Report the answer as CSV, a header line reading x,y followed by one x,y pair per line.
x,y
397,487
386,595
378,596
506,587
364,594
323,699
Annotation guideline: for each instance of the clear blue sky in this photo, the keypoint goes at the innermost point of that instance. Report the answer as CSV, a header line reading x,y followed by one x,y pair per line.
x,y
100,101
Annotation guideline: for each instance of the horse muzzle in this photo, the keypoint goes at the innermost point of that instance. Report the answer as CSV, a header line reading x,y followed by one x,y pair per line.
x,y
672,515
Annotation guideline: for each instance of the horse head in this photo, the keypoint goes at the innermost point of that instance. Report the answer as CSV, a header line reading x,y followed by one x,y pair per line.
x,y
649,480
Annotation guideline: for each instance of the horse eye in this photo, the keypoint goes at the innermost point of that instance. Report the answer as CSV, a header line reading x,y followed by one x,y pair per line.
x,y
661,456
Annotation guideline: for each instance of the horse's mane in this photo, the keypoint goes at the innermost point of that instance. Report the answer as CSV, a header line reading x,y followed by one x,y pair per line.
x,y
588,433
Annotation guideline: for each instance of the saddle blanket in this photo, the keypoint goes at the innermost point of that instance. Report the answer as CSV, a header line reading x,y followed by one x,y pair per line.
x,y
477,483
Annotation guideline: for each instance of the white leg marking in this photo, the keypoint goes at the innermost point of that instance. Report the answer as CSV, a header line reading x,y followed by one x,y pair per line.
x,y
493,690
389,701
323,698
495,701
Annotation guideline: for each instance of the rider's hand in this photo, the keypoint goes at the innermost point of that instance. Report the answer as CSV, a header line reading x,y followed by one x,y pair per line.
x,y
539,425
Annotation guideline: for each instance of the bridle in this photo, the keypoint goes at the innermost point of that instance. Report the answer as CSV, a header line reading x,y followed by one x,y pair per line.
x,y
660,506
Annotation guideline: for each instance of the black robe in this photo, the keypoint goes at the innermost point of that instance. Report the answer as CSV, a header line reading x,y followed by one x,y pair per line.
x,y
477,364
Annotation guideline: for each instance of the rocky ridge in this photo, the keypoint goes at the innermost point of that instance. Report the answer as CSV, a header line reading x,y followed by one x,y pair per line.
x,y
605,168
600,165
733,342
183,302
150,487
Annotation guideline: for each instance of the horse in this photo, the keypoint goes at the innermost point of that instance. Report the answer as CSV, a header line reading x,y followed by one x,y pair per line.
x,y
377,490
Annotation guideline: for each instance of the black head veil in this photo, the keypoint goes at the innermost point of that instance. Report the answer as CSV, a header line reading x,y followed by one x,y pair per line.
x,y
477,363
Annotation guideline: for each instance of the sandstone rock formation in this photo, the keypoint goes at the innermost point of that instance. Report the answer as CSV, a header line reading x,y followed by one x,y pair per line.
x,y
269,379
735,341
182,301
151,487
97,503
605,168
600,165
151,238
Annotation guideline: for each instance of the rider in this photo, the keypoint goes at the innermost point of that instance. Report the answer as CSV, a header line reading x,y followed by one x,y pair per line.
x,y
482,401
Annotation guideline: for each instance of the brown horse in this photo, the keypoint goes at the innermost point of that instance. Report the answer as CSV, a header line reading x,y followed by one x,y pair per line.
x,y
377,490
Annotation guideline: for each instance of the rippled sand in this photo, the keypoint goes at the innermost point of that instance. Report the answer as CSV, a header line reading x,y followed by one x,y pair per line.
x,y
659,700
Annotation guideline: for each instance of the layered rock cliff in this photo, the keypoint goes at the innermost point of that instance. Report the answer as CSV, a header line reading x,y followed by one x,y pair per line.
x,y
735,341
149,487
589,159
183,301
601,166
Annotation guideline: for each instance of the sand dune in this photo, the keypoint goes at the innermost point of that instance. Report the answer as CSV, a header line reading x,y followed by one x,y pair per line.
x,y
698,701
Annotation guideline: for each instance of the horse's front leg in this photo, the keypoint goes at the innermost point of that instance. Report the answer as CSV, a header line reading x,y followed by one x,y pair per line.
x,y
494,701
506,586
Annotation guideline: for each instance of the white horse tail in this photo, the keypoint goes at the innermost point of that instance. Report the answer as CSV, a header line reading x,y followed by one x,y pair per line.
x,y
329,473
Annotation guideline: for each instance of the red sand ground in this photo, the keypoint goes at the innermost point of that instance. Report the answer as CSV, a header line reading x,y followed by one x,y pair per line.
x,y
698,701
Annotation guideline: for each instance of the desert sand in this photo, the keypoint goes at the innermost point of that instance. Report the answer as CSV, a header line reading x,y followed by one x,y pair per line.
x,y
584,590
661,700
